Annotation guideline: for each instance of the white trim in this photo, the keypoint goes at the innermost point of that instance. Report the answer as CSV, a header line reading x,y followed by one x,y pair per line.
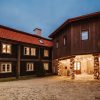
x,y
26,51
6,49
30,67
7,66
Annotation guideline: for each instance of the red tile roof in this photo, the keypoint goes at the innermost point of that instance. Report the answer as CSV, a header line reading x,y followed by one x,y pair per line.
x,y
13,34
74,20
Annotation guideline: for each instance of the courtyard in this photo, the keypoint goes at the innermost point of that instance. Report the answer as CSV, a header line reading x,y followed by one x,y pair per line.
x,y
51,88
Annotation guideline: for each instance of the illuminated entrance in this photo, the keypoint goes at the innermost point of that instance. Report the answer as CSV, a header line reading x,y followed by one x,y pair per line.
x,y
77,67
82,65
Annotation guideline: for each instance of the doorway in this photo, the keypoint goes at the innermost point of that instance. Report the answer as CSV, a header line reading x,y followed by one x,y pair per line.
x,y
77,67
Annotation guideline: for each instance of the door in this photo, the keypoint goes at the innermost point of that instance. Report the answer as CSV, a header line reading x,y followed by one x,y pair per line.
x,y
77,67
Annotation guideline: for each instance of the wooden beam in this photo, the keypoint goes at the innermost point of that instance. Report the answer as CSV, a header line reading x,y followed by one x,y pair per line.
x,y
18,62
8,59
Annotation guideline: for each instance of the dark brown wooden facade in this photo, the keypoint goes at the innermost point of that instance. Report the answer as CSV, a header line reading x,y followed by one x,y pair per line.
x,y
68,42
19,60
74,45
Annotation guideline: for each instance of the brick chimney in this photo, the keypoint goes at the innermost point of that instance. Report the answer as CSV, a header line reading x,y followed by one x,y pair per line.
x,y
37,31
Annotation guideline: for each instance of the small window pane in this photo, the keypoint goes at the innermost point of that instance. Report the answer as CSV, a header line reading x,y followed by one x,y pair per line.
x,y
30,67
8,48
84,35
46,53
33,51
26,50
46,66
4,48
3,68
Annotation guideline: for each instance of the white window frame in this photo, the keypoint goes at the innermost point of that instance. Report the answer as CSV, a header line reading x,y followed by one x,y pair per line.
x,y
6,69
84,35
30,67
26,51
6,49
46,53
33,51
46,66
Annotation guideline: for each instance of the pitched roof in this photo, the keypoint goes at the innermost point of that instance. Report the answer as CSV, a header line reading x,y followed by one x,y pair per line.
x,y
74,20
20,36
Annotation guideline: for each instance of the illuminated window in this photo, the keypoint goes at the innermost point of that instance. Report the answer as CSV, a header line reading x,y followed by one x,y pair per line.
x,y
6,48
30,67
26,51
6,68
84,35
46,66
33,51
77,66
46,53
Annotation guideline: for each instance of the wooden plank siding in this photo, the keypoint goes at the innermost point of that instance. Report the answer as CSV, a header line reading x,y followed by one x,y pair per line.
x,y
74,45
79,46
62,51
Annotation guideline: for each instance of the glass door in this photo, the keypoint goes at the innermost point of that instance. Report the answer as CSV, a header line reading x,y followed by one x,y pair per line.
x,y
77,68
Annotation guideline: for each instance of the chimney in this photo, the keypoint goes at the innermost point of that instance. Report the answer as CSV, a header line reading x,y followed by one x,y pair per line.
x,y
37,31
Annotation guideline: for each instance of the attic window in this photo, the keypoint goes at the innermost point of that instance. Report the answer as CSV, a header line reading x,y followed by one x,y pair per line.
x,y
41,41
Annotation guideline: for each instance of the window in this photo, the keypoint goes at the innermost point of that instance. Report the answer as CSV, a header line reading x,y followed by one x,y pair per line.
x,y
30,67
26,51
6,68
84,35
6,48
46,53
46,66
77,66
57,44
64,41
41,41
33,51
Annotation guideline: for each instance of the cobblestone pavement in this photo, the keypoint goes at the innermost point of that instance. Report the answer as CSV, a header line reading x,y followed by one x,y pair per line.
x,y
50,88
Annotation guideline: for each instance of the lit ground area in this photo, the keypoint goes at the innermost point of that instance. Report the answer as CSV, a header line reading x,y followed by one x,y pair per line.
x,y
51,88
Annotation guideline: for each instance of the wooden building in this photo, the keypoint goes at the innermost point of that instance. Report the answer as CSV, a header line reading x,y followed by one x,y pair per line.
x,y
76,46
23,54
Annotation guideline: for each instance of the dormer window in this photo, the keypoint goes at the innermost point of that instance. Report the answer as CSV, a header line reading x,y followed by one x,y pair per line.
x,y
41,41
